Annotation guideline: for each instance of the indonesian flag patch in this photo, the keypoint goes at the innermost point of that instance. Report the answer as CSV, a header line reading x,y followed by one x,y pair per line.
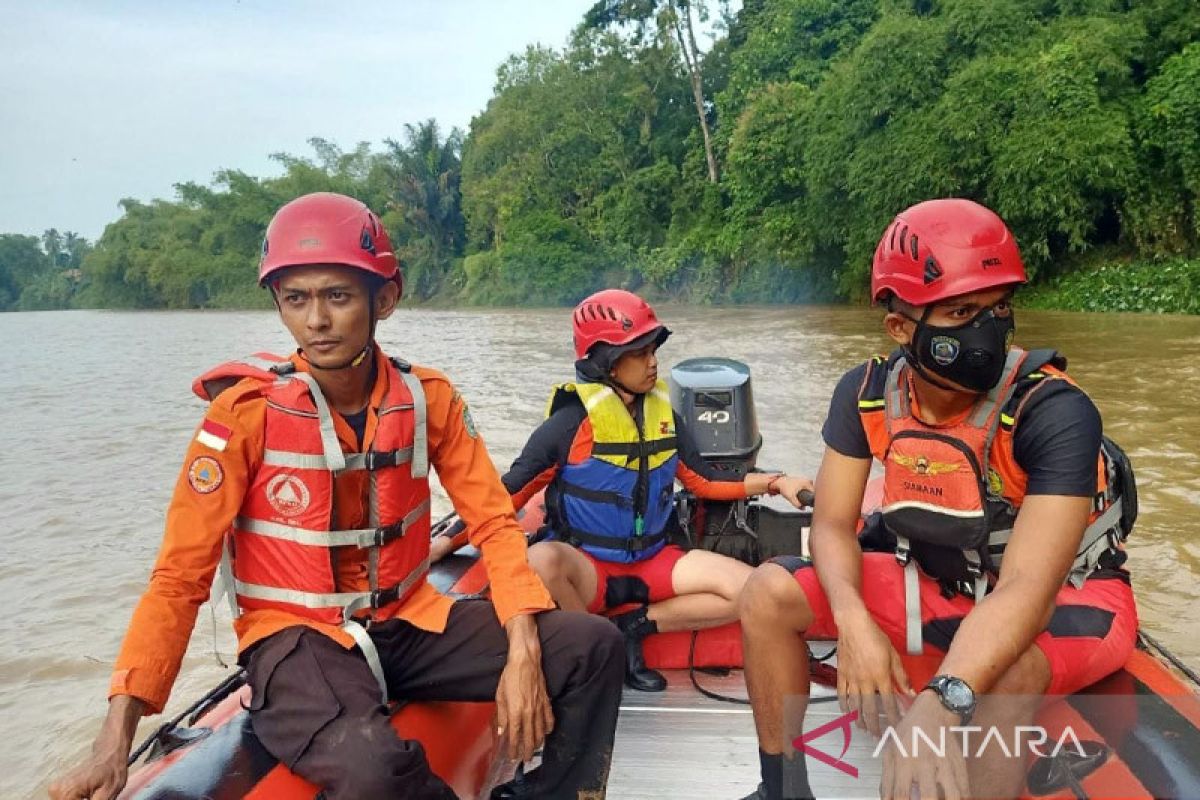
x,y
214,435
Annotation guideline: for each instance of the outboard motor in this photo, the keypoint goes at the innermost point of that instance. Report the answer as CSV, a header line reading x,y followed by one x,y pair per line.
x,y
713,397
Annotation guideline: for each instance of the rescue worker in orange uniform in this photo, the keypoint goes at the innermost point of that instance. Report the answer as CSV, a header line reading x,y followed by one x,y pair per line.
x,y
317,467
1003,512
609,454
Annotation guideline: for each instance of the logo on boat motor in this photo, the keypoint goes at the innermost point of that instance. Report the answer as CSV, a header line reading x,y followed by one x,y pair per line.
x,y
944,349
205,474
288,495
922,465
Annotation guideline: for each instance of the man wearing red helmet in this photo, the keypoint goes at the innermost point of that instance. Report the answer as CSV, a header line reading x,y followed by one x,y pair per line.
x,y
608,454
997,548
317,467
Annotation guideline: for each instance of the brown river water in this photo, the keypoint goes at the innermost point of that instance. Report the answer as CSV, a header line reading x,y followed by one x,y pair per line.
x,y
97,413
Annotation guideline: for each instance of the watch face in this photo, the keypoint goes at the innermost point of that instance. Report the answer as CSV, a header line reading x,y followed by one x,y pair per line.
x,y
958,694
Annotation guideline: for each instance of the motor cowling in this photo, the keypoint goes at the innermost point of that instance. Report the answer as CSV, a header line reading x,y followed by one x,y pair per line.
x,y
714,398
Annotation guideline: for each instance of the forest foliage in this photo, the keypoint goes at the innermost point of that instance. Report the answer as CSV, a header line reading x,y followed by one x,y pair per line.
x,y
755,164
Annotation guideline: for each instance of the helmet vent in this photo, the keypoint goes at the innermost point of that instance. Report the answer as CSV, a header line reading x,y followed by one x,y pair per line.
x,y
366,242
904,238
912,246
932,270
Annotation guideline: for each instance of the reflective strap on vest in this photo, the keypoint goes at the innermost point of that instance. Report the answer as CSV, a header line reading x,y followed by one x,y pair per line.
x,y
358,537
335,460
420,452
913,635
348,601
912,609
371,460
1000,393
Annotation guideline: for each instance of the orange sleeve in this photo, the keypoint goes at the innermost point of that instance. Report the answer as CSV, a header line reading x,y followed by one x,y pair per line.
x,y
527,492
208,494
709,490
467,473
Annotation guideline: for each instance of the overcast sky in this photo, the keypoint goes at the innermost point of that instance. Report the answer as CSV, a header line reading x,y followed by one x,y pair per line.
x,y
104,100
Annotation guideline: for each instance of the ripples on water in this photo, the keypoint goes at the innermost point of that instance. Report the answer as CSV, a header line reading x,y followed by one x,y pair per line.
x,y
98,412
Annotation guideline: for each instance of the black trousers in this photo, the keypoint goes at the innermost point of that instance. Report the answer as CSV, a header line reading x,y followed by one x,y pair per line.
x,y
316,705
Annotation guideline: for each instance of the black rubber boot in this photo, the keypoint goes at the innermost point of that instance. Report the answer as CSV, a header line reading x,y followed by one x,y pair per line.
x,y
636,627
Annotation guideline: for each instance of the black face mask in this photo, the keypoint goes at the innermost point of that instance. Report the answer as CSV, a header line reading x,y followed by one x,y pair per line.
x,y
972,354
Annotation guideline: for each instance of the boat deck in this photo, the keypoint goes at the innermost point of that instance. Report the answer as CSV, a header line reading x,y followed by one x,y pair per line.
x,y
680,744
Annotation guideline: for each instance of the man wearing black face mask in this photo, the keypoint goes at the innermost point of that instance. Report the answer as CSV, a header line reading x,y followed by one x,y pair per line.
x,y
997,550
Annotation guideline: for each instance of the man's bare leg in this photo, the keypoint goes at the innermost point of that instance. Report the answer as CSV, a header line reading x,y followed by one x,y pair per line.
x,y
774,614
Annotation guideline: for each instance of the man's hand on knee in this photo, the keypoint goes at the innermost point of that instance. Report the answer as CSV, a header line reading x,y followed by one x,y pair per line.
x,y
523,714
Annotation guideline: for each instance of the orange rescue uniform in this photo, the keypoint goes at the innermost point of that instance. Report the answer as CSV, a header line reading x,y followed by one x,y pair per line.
x,y
208,498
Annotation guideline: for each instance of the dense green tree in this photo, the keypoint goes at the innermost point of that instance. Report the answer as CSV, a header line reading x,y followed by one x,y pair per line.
x,y
598,164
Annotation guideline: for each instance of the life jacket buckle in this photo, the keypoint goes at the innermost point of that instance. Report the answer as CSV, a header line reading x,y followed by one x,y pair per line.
x,y
378,459
903,553
386,533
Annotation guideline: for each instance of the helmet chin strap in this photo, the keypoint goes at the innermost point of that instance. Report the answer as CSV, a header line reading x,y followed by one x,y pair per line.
x,y
614,383
351,364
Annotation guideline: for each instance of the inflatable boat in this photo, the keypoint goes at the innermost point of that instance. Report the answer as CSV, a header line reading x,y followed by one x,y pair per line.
x,y
1140,727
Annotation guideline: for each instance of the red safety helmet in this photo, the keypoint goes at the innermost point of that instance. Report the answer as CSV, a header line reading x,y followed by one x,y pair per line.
x,y
615,317
944,248
328,228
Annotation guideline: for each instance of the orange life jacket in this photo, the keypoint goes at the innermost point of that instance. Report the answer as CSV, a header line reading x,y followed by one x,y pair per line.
x,y
278,554
959,486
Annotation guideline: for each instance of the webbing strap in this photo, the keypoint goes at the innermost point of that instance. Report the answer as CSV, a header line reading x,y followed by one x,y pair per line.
x,y
635,450
335,460
1096,542
348,601
420,445
632,544
998,394
912,609
296,597
225,576
358,537
353,461
370,653
895,397
373,520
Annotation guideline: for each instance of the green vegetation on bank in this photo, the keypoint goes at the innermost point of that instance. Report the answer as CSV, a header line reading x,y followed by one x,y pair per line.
x,y
1171,286
761,170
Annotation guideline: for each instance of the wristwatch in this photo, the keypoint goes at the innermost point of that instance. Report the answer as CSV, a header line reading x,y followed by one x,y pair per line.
x,y
955,695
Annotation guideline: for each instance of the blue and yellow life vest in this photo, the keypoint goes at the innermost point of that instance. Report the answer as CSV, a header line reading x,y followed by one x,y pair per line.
x,y
615,504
